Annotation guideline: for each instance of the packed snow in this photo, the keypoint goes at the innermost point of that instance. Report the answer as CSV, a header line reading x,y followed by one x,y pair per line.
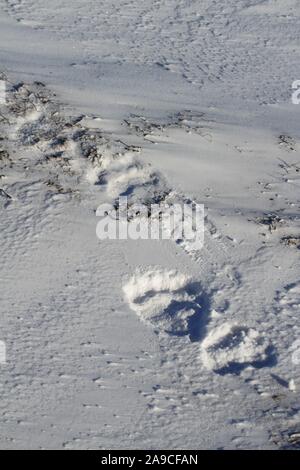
x,y
146,343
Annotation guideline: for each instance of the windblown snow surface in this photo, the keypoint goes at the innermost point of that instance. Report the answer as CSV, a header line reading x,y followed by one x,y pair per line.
x,y
120,344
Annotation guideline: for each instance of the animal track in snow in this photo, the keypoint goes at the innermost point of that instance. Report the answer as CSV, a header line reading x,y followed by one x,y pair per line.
x,y
63,152
289,300
171,302
124,184
289,309
231,345
121,173
164,298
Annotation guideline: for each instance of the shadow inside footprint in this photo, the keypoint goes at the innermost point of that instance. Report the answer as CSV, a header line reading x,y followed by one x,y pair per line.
x,y
182,318
236,368
200,320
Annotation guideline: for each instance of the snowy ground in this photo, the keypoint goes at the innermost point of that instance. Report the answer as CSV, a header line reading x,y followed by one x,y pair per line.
x,y
147,344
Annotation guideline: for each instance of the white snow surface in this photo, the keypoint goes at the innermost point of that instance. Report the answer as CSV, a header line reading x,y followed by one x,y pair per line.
x,y
147,344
